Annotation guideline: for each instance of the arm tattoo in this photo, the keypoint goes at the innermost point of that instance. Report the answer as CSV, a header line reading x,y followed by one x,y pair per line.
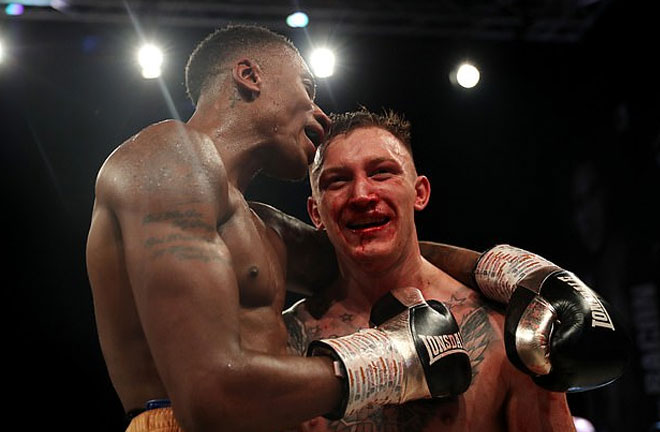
x,y
186,220
153,241
190,253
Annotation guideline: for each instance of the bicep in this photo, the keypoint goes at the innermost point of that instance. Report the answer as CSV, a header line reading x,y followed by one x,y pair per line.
x,y
168,201
183,283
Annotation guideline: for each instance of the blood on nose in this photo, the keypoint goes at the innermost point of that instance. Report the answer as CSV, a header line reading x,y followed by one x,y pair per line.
x,y
362,194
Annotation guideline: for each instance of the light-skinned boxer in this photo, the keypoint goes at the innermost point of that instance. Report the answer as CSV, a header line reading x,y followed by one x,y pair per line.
x,y
189,284
365,190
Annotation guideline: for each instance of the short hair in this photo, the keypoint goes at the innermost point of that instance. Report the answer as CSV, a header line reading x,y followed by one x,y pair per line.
x,y
344,123
224,44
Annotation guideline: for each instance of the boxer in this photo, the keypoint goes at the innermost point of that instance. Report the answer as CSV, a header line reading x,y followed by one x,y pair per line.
x,y
189,284
365,190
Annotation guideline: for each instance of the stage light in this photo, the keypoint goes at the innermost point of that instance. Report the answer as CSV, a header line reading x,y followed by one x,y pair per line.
x,y
297,20
151,72
150,58
583,425
322,61
37,3
14,9
467,75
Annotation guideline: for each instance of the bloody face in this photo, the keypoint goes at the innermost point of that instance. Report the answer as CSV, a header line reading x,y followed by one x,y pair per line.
x,y
365,196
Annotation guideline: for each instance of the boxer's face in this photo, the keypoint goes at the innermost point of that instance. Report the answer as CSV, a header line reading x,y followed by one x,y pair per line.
x,y
294,123
366,195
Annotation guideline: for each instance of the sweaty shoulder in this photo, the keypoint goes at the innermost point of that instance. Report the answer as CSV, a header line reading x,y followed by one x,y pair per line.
x,y
168,161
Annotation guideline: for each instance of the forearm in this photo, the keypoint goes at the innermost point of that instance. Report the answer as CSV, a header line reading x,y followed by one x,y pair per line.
x,y
259,392
456,261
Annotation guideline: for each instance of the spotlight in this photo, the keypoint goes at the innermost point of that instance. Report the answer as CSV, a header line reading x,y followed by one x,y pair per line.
x,y
151,72
583,425
322,61
14,9
465,75
150,58
297,20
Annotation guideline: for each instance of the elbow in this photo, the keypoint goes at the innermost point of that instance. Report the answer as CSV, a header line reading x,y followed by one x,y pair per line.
x,y
210,402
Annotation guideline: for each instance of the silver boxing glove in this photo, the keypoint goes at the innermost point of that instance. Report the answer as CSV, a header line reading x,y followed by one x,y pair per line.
x,y
415,352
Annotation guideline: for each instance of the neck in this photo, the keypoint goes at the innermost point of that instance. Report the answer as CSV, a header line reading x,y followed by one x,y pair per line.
x,y
235,139
365,284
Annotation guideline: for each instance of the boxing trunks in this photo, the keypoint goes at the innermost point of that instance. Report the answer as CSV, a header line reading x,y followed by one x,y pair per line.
x,y
156,417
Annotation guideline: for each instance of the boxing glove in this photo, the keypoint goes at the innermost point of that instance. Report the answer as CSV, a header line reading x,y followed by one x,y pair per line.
x,y
415,352
557,329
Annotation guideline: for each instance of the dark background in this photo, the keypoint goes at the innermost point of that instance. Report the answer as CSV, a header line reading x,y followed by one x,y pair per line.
x,y
557,151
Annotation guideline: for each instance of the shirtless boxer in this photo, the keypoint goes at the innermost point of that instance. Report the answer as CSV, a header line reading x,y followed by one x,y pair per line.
x,y
365,190
188,283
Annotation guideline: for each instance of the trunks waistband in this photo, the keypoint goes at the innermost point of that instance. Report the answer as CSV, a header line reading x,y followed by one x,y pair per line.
x,y
149,405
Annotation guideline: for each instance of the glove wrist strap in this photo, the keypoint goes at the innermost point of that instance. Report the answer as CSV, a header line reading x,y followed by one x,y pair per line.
x,y
373,366
500,270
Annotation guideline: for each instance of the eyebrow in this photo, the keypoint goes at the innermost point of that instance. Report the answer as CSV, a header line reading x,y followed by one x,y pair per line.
x,y
338,168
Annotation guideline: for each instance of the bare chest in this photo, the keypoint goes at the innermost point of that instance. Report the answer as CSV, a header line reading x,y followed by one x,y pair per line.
x,y
259,261
257,256
480,408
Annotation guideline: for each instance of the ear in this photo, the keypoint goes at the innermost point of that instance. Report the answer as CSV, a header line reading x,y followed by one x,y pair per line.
x,y
247,76
422,192
313,212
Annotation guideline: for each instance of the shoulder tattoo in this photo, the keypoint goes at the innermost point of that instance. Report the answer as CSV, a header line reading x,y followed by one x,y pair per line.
x,y
297,333
476,329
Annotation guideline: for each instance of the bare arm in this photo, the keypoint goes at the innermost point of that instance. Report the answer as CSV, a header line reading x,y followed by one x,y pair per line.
x,y
169,203
457,262
311,260
531,408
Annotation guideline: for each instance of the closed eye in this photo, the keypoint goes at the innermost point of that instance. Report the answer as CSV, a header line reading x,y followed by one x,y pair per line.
x,y
310,86
334,182
382,174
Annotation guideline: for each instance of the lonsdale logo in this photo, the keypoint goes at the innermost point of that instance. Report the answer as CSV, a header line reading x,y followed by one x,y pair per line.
x,y
599,315
440,346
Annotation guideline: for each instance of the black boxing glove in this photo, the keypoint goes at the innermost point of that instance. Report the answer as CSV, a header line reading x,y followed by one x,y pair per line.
x,y
414,352
557,329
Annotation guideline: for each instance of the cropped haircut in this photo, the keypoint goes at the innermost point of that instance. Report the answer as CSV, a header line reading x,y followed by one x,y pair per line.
x,y
347,122
211,55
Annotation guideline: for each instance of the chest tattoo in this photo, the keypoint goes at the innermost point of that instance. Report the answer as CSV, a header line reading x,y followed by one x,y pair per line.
x,y
478,334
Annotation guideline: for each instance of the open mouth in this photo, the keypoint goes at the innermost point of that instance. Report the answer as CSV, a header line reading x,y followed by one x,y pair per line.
x,y
314,136
373,223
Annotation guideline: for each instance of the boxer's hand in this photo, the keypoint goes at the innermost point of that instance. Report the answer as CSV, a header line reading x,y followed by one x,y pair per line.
x,y
414,352
557,330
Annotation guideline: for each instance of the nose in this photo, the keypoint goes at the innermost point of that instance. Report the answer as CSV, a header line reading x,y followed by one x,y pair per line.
x,y
323,119
362,194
